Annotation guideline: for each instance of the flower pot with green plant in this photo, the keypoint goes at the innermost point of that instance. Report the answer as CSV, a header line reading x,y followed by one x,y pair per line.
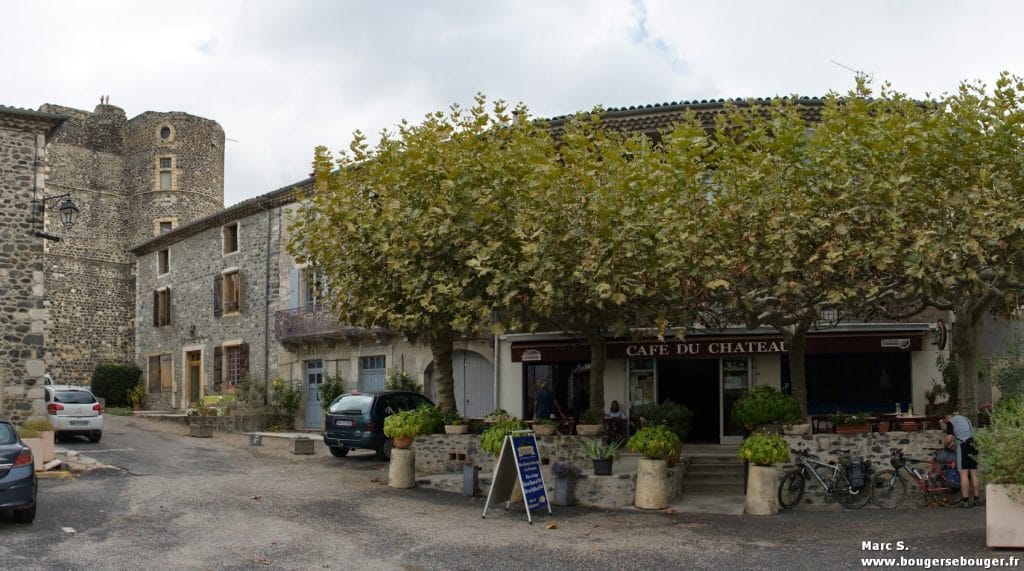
x,y
544,427
453,423
850,423
763,452
591,422
660,446
405,425
493,438
601,453
765,409
565,474
137,397
1001,457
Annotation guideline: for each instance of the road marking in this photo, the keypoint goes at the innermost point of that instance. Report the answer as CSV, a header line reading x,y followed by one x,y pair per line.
x,y
110,450
55,474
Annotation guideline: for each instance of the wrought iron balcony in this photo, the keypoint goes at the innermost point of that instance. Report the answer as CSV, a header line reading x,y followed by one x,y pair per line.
x,y
311,323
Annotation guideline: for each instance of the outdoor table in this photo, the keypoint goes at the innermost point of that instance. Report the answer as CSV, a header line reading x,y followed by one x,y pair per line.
x,y
905,421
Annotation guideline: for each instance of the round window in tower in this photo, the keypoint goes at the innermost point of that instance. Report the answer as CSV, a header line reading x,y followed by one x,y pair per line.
x,y
165,133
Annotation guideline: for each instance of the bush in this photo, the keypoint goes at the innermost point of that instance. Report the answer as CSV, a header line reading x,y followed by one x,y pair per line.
x,y
251,392
401,381
113,381
658,442
765,405
287,398
1001,445
675,416
764,449
411,423
332,388
492,439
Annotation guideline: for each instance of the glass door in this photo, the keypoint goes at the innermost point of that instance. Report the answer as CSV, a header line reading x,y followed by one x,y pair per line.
x,y
735,380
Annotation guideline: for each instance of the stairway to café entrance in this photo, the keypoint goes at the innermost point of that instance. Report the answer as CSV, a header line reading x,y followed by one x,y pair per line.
x,y
695,384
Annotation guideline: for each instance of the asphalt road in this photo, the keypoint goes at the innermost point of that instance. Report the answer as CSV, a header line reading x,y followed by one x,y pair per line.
x,y
170,501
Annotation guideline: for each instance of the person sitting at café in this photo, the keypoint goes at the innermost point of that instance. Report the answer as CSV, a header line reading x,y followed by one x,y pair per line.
x,y
615,423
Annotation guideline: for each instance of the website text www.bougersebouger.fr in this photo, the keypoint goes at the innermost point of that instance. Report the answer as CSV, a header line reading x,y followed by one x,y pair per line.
x,y
882,554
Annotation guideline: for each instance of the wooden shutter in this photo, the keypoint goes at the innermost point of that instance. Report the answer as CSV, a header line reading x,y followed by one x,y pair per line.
x,y
218,296
154,373
218,368
165,372
238,291
243,361
166,308
156,309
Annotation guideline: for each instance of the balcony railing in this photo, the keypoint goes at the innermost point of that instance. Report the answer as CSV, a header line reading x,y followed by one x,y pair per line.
x,y
310,323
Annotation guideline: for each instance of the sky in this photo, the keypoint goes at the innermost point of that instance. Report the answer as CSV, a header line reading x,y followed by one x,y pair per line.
x,y
283,76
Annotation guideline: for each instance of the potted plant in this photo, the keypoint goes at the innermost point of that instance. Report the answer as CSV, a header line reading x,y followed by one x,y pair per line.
x,y
37,434
453,423
405,425
544,427
137,396
493,437
658,444
765,409
673,415
1001,457
566,475
763,452
850,423
591,422
603,454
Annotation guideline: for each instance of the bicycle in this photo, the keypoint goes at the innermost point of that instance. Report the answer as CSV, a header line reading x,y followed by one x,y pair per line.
x,y
830,475
889,489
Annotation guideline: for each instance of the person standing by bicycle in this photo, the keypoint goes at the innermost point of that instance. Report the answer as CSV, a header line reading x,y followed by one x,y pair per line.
x,y
960,438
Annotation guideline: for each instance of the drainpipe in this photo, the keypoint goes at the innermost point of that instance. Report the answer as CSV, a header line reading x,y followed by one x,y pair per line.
x,y
266,313
497,368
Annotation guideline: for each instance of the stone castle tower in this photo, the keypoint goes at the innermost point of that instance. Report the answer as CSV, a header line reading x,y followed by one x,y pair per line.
x,y
131,179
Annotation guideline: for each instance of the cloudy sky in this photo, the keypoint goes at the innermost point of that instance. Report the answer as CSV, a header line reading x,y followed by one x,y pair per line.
x,y
284,76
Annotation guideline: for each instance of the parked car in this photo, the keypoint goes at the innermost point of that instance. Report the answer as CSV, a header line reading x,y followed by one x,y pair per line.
x,y
74,410
356,420
17,475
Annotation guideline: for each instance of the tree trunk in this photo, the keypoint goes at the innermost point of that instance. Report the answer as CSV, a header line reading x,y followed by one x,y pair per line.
x,y
597,360
441,348
966,329
796,345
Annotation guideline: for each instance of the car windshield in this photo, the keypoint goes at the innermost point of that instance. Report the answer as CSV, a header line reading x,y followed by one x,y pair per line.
x,y
352,404
74,397
7,435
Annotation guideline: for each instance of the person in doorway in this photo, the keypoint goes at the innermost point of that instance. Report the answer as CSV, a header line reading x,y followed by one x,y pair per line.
x,y
546,404
960,438
615,423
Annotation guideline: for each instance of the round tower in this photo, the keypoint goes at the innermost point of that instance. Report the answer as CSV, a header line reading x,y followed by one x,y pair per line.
x,y
174,171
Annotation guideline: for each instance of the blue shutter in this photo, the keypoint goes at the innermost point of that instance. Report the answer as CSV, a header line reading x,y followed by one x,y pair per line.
x,y
293,288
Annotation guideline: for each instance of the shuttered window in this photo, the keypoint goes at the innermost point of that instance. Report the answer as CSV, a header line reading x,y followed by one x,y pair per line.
x,y
227,293
236,364
161,307
159,373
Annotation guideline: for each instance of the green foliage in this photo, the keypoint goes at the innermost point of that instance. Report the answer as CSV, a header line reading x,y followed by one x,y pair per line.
x,y
137,396
764,449
411,423
848,418
251,392
673,415
287,398
658,441
112,382
592,416
493,437
543,422
332,388
1001,444
597,449
450,417
1008,374
401,381
948,387
764,404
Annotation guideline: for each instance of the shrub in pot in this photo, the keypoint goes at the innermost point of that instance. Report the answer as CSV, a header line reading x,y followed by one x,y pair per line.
x,y
603,454
763,451
492,439
1001,457
675,416
405,425
765,405
660,447
543,427
657,442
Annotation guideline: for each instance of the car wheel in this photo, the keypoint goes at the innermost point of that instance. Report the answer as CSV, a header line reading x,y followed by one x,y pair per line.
x,y
339,451
25,516
384,449
95,437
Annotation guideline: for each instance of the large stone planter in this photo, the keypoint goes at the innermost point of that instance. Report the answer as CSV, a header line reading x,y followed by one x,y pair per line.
x,y
402,470
544,429
652,490
1004,514
200,431
456,429
797,429
42,449
589,429
762,490
565,492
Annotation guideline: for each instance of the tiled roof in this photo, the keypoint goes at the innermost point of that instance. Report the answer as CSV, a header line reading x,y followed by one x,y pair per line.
x,y
54,119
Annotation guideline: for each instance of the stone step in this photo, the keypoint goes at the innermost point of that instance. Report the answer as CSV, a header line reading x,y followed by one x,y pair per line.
x,y
712,459
723,478
713,472
702,488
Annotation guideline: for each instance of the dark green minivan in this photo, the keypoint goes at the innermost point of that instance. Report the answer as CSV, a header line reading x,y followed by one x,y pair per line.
x,y
356,420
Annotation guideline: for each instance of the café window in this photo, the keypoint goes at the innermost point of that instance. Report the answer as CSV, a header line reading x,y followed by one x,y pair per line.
x,y
854,382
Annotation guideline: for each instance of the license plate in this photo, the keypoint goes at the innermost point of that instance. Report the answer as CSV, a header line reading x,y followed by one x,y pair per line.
x,y
343,422
78,422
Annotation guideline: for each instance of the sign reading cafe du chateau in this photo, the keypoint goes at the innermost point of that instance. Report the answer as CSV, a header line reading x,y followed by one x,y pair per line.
x,y
700,348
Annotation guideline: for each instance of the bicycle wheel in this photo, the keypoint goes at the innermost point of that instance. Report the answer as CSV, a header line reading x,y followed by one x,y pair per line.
x,y
848,497
940,492
791,489
888,489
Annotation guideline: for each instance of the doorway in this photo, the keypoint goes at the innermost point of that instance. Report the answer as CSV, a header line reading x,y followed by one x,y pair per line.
x,y
314,383
195,375
695,384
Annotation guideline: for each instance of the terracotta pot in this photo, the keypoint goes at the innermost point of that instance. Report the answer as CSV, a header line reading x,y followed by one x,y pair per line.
x,y
852,428
402,442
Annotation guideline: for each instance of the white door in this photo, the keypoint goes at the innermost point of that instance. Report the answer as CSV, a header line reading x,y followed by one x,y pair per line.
x,y
314,381
474,384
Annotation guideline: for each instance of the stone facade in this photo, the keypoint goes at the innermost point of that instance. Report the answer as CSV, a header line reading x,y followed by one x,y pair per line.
x,y
111,166
23,312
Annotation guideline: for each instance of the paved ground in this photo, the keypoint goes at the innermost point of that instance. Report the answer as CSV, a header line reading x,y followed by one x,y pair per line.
x,y
185,503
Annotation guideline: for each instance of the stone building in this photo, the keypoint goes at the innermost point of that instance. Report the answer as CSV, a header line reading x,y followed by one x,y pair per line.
x,y
24,317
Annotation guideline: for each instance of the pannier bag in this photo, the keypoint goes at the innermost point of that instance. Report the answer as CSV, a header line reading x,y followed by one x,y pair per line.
x,y
944,456
856,472
952,475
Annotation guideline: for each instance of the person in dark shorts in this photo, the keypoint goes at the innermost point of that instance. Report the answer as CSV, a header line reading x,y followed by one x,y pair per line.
x,y
960,438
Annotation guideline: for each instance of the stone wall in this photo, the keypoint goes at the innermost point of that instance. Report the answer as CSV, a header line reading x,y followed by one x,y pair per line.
x,y
874,447
23,314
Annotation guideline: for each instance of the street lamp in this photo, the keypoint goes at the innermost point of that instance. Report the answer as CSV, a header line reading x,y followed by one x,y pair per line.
x,y
68,212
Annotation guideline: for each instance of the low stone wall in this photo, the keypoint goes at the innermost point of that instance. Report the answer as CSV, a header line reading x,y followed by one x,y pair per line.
x,y
233,423
873,446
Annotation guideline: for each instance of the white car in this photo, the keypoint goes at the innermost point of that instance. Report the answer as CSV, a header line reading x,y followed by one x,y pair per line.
x,y
74,410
